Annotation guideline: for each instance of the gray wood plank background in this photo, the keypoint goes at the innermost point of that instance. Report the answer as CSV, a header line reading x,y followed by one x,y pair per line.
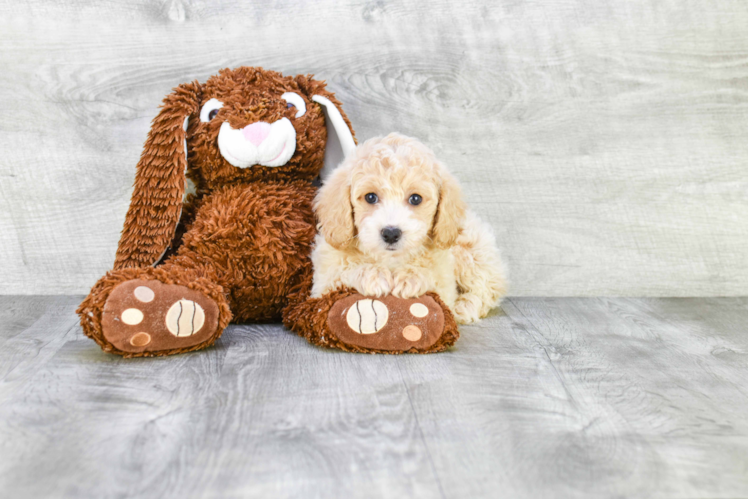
x,y
576,397
604,140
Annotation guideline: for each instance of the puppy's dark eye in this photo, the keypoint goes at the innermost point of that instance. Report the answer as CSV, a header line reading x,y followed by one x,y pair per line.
x,y
212,114
371,198
415,199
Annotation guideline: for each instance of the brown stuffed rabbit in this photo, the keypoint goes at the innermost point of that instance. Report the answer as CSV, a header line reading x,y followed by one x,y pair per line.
x,y
238,247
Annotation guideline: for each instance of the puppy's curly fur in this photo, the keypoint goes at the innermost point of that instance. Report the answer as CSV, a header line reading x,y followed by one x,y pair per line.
x,y
435,244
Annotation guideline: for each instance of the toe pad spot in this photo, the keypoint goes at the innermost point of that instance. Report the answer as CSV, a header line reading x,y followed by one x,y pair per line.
x,y
419,310
132,316
412,333
144,294
140,339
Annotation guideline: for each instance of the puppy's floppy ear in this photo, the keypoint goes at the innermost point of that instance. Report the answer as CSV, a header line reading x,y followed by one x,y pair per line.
x,y
449,212
334,209
341,140
156,204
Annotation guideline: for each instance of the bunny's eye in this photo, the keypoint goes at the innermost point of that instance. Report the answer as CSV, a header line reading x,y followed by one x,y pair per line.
x,y
294,100
371,198
210,110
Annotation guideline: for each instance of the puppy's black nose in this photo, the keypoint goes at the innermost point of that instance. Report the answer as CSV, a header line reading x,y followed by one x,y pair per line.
x,y
391,234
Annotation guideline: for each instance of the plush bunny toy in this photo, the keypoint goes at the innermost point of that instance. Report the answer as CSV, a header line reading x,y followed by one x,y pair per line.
x,y
238,247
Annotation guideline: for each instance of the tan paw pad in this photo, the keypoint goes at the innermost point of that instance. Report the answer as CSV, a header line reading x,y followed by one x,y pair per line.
x,y
367,316
185,318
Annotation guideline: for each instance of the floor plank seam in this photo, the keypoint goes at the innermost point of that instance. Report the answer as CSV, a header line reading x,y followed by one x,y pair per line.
x,y
420,431
556,373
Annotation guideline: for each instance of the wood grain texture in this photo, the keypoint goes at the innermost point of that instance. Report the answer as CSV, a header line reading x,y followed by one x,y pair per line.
x,y
551,398
604,140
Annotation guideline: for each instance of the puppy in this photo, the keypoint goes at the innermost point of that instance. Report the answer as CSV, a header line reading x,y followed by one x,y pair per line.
x,y
392,221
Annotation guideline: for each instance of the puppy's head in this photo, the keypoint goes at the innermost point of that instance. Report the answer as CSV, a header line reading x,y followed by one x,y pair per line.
x,y
391,197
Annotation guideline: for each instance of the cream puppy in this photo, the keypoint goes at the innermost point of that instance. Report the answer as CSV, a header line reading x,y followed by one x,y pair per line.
x,y
392,221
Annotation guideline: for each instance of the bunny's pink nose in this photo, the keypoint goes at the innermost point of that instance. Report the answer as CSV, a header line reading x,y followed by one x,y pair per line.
x,y
256,132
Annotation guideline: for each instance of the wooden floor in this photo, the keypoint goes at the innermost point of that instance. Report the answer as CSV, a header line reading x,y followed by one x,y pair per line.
x,y
551,397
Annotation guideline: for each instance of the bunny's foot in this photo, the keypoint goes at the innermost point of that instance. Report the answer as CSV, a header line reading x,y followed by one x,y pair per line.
x,y
138,312
390,324
149,316
349,321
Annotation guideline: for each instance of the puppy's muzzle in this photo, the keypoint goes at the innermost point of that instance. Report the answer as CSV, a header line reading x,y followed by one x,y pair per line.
x,y
391,235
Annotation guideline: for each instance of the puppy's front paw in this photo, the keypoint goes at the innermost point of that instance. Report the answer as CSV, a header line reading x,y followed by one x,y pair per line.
x,y
372,282
410,284
467,310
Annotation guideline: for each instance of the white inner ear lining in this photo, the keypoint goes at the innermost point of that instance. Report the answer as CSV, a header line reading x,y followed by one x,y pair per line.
x,y
338,123
184,126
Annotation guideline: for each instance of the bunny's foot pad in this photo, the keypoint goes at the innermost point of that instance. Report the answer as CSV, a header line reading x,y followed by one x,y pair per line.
x,y
147,316
387,324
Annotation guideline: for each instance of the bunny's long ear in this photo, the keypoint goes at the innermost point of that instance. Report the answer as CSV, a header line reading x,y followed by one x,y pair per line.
x,y
340,140
156,204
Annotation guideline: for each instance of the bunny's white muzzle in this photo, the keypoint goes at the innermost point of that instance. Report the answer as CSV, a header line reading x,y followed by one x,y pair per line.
x,y
259,143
